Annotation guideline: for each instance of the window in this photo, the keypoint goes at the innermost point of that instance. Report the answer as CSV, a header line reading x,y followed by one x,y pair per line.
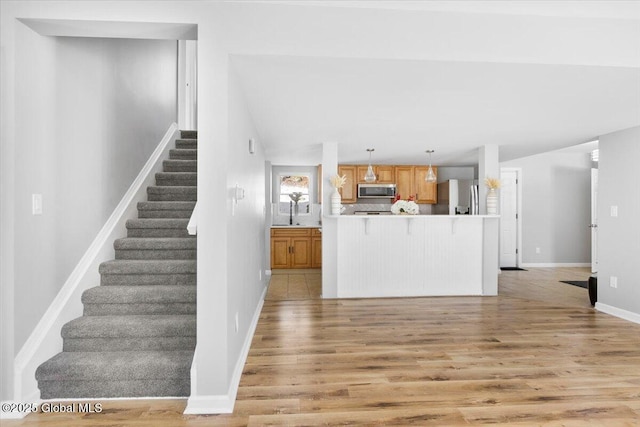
x,y
294,188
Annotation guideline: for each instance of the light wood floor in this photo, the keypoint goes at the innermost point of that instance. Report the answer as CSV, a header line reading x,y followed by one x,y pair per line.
x,y
536,355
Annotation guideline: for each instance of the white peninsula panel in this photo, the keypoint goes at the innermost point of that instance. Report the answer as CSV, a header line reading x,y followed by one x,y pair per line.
x,y
423,255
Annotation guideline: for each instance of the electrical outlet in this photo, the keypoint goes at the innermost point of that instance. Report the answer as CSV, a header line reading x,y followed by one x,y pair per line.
x,y
613,281
237,323
614,211
537,250
260,275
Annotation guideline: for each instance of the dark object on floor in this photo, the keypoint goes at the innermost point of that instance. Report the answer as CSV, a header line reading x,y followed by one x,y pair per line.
x,y
512,269
593,288
580,283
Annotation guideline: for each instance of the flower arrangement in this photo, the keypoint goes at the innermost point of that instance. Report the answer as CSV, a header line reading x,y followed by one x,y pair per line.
x,y
492,183
338,181
407,207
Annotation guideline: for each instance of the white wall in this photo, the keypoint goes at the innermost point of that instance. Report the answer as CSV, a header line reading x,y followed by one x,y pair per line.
x,y
556,212
619,237
246,224
90,113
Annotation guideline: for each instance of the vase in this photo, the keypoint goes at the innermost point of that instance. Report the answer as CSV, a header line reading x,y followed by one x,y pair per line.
x,y
336,202
492,202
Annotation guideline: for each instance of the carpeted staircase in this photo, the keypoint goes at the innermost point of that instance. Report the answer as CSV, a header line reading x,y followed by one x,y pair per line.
x,y
138,332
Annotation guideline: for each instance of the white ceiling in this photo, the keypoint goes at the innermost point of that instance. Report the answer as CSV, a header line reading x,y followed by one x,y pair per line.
x,y
406,80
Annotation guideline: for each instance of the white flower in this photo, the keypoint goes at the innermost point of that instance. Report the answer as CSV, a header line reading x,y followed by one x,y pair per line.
x,y
405,206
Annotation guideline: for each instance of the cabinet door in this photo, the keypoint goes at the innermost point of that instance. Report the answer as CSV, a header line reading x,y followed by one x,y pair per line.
x,y
427,192
404,181
280,252
348,192
385,174
361,171
300,252
316,251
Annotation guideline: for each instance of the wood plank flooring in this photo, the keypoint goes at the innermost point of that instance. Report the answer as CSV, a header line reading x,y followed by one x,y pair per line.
x,y
536,355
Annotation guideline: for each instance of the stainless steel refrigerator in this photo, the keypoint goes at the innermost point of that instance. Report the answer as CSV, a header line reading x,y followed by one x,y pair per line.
x,y
457,197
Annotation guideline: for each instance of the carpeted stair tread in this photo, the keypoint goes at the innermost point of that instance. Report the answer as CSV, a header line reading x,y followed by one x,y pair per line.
x,y
142,267
125,300
175,179
158,227
158,223
146,248
191,134
168,387
116,365
189,143
180,165
155,243
183,154
174,279
167,209
172,193
131,326
139,294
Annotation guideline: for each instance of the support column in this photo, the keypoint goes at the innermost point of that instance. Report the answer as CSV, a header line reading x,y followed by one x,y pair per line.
x,y
329,225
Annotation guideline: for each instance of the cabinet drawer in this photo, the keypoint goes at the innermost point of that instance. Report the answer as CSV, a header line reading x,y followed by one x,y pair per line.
x,y
290,232
315,232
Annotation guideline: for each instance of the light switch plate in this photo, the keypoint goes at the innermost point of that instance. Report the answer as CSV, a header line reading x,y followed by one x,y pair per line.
x,y
614,211
36,204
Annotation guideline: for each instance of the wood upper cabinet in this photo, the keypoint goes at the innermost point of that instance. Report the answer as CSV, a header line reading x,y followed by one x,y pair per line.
x,y
385,174
349,191
410,182
361,171
426,192
294,247
404,181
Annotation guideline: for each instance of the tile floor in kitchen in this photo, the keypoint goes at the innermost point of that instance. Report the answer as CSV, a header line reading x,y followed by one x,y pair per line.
x,y
295,284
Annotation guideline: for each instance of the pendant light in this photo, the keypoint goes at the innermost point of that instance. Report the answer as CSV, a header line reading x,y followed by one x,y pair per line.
x,y
370,176
431,176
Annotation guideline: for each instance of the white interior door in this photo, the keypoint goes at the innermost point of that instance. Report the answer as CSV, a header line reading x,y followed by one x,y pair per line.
x,y
594,220
509,218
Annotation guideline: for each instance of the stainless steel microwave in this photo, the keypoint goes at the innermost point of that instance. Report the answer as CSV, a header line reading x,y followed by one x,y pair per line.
x,y
376,191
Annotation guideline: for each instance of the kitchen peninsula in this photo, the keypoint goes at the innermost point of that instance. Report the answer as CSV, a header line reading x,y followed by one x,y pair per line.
x,y
368,256
413,255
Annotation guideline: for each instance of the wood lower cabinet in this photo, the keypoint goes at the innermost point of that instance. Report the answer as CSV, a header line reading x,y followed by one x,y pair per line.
x,y
316,248
293,248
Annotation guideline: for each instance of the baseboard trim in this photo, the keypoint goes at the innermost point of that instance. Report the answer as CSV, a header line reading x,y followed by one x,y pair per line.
x,y
555,264
224,403
45,341
618,312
